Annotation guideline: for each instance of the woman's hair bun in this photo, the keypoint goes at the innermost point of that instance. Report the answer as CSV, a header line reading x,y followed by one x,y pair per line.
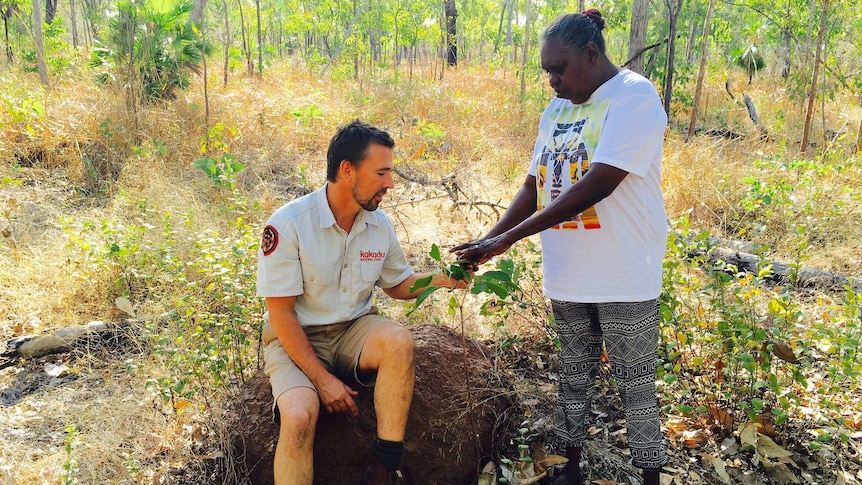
x,y
596,17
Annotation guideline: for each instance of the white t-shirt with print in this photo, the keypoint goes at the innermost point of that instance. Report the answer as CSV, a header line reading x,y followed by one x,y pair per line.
x,y
613,251
332,273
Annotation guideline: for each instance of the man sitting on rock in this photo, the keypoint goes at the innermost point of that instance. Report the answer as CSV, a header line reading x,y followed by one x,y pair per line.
x,y
320,257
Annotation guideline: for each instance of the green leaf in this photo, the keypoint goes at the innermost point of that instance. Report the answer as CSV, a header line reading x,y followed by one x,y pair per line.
x,y
421,283
422,296
435,254
208,165
457,272
488,286
757,404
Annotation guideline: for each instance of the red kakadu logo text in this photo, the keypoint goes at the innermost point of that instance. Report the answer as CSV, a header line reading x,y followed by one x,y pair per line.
x,y
372,255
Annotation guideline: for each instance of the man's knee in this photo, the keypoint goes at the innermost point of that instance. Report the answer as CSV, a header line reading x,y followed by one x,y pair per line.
x,y
398,343
298,416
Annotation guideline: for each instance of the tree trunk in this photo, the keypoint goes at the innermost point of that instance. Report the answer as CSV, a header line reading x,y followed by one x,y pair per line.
x,y
197,13
500,26
451,33
340,47
812,93
525,54
673,8
259,41
581,6
637,35
785,54
704,50
689,46
50,10
200,22
356,53
74,22
510,5
397,58
246,48
6,14
227,39
809,33
40,49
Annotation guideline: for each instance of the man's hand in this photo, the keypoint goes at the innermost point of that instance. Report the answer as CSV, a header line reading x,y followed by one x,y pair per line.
x,y
336,396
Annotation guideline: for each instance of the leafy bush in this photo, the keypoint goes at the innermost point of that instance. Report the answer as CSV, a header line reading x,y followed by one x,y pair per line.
x,y
149,44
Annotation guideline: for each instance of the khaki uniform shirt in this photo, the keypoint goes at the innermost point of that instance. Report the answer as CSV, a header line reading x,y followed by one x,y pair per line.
x,y
304,253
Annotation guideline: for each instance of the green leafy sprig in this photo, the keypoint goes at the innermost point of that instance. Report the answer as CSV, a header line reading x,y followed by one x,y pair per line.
x,y
498,282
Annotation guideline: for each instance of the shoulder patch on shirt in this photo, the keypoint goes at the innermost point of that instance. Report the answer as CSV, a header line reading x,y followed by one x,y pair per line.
x,y
269,241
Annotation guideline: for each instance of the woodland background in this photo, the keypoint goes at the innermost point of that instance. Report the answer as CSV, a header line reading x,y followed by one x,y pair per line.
x,y
144,143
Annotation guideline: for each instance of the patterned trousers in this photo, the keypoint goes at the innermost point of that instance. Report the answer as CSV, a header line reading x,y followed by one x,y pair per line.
x,y
630,334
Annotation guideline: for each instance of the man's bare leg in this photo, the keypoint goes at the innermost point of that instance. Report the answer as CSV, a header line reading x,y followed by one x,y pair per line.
x,y
389,351
293,464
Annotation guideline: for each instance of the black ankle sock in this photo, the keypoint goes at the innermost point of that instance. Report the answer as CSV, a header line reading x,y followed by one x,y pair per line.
x,y
389,453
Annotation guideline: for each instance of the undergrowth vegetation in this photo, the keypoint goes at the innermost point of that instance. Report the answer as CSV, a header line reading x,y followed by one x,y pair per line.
x,y
159,208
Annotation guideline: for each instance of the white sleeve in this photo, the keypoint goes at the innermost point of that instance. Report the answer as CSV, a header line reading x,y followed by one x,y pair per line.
x,y
279,272
633,131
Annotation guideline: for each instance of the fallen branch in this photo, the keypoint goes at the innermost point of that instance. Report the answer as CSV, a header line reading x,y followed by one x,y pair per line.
x,y
752,113
782,273
64,339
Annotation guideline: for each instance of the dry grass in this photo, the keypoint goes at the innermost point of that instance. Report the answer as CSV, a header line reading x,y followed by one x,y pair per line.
x,y
470,124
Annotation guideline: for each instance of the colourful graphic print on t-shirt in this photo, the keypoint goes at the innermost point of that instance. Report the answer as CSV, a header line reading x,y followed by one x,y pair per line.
x,y
570,142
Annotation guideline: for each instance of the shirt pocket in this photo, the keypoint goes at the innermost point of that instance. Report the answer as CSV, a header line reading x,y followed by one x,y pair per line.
x,y
371,270
317,275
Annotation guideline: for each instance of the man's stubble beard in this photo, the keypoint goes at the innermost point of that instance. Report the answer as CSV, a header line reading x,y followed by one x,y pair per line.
x,y
370,205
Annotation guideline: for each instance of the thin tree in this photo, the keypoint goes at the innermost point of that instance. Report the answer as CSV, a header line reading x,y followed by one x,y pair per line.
x,y
74,22
812,93
673,9
259,41
503,8
206,84
197,14
246,50
356,52
704,50
637,35
451,13
7,11
227,39
526,49
50,10
40,49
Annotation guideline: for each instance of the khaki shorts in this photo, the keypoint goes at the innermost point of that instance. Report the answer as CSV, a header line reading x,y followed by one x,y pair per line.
x,y
338,347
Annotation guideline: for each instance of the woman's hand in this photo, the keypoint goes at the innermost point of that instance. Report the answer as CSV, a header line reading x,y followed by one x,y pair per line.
x,y
481,250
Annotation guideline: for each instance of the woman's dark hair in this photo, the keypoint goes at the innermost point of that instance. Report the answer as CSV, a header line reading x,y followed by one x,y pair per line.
x,y
350,143
578,29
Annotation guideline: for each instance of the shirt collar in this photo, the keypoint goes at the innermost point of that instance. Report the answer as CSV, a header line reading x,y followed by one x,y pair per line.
x,y
327,218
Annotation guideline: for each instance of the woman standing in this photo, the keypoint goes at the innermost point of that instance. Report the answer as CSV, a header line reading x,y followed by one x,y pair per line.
x,y
593,191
